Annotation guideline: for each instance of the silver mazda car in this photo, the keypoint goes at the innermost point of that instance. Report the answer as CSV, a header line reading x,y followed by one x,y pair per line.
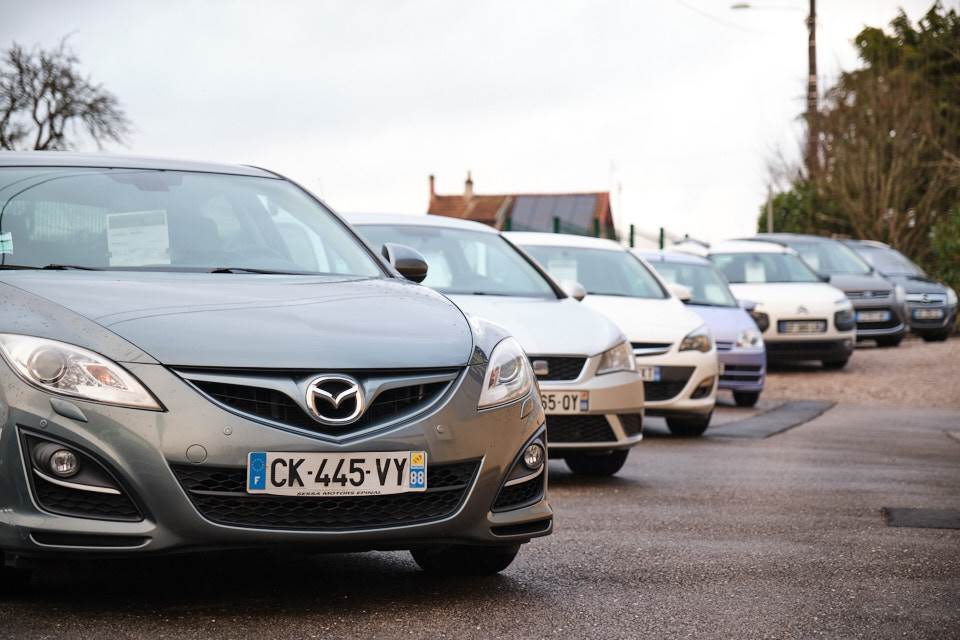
x,y
205,356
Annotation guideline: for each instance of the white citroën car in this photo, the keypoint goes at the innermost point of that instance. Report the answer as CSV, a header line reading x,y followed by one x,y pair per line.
x,y
674,351
801,316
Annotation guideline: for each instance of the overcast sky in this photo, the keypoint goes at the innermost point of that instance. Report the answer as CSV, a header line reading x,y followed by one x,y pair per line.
x,y
681,102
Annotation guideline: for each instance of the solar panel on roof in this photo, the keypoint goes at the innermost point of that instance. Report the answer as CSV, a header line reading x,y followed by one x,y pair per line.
x,y
536,213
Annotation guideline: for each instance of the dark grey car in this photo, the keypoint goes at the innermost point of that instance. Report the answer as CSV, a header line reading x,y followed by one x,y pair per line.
x,y
878,304
931,305
204,356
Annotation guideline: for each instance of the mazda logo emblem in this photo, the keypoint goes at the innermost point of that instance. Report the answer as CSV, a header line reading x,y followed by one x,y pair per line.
x,y
335,399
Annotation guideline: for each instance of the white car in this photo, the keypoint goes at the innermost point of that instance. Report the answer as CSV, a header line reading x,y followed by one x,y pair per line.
x,y
674,351
589,385
801,316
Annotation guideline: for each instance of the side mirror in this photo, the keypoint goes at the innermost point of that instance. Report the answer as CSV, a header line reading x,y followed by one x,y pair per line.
x,y
747,305
824,277
681,292
573,289
408,262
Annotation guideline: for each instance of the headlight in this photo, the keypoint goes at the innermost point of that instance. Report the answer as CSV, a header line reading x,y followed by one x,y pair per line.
x,y
71,371
618,358
749,339
508,376
761,319
844,320
951,297
697,340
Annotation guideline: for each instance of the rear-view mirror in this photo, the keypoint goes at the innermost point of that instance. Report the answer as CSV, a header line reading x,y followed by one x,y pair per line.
x,y
408,262
680,291
573,289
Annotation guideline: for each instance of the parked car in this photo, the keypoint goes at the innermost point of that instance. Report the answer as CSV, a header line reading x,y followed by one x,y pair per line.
x,y
674,350
878,304
931,305
801,317
589,385
743,359
205,356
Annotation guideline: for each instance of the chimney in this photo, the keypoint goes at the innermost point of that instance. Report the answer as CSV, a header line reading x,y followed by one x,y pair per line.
x,y
468,187
433,191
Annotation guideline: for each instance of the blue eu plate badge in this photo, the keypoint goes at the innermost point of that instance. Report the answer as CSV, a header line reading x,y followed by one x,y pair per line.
x,y
418,470
257,475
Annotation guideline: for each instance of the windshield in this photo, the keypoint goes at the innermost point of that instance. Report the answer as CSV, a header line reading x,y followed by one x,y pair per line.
x,y
461,261
170,221
759,268
602,272
707,286
889,262
830,257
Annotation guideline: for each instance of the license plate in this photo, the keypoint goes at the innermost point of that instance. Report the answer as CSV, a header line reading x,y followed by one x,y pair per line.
x,y
873,316
560,403
649,374
336,474
802,326
928,314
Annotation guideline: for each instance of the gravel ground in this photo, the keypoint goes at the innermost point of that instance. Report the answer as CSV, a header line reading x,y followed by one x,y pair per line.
x,y
915,374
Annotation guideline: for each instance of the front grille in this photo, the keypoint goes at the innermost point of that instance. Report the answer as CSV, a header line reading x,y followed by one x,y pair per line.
x,y
650,348
868,295
84,504
219,494
520,495
927,298
671,383
632,423
579,429
560,368
276,406
741,373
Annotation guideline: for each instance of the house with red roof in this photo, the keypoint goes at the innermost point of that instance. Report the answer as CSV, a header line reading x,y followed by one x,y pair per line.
x,y
586,214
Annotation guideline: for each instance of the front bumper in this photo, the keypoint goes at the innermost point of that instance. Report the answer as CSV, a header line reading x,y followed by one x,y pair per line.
x,y
742,370
614,419
141,449
834,349
682,373
921,325
894,325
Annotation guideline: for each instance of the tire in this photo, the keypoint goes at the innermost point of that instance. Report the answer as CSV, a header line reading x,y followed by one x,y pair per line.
x,y
464,560
835,365
13,581
689,426
602,464
746,398
889,341
940,336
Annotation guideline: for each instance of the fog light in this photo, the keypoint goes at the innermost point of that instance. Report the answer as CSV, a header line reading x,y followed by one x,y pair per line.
x,y
533,457
703,389
64,463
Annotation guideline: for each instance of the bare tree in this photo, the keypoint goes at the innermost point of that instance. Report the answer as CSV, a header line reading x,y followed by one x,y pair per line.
x,y
46,104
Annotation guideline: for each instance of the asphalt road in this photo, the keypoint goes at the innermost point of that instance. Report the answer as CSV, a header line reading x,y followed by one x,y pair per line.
x,y
718,537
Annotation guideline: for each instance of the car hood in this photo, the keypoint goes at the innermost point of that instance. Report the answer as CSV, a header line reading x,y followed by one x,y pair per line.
x,y
264,321
917,284
546,326
642,320
852,282
789,294
725,323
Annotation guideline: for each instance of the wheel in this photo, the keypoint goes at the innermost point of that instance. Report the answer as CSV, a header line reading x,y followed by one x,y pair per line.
x,y
889,341
13,580
834,365
463,560
597,464
940,336
689,426
746,398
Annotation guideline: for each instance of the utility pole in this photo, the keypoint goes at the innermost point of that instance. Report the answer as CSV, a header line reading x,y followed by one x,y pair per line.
x,y
769,209
813,128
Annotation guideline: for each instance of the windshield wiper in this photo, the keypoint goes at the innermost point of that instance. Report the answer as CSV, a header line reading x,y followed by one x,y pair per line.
x,y
51,267
249,270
